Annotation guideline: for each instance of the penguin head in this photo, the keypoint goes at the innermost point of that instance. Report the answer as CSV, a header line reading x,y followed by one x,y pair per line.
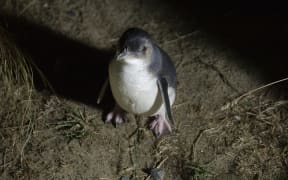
x,y
135,45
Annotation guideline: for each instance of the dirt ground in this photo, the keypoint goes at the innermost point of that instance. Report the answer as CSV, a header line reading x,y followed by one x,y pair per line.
x,y
71,42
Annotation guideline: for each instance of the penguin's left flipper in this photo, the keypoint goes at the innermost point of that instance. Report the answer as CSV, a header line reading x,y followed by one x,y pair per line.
x,y
163,87
102,91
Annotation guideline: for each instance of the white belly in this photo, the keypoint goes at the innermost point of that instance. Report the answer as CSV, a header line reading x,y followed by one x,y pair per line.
x,y
134,89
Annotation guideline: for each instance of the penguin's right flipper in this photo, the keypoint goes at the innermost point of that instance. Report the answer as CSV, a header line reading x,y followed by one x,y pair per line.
x,y
102,91
163,87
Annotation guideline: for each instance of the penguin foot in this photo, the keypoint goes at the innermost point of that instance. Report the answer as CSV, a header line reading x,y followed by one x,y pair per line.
x,y
116,116
160,125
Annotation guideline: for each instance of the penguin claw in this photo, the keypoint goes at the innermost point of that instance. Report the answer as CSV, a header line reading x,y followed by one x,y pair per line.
x,y
116,116
160,126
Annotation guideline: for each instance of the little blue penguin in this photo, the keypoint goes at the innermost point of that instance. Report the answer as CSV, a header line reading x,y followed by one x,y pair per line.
x,y
142,78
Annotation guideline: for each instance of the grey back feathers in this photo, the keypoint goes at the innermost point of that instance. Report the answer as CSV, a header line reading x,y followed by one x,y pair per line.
x,y
163,67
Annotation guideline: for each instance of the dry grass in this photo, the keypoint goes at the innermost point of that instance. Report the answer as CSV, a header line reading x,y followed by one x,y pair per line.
x,y
254,132
13,68
17,117
74,124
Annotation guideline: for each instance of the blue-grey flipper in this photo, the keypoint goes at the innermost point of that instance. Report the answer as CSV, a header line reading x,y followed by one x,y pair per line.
x,y
102,91
163,87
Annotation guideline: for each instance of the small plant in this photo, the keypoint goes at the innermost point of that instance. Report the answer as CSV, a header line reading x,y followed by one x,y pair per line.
x,y
73,124
195,171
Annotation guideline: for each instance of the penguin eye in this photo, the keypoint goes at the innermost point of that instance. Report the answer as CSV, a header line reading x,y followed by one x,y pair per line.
x,y
124,48
143,48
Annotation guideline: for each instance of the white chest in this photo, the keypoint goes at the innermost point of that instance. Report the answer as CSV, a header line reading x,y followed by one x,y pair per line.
x,y
134,88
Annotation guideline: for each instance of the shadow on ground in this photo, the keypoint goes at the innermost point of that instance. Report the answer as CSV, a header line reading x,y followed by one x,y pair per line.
x,y
77,71
257,32
74,70
261,41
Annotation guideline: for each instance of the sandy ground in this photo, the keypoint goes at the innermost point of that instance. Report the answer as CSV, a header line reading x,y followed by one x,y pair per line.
x,y
72,42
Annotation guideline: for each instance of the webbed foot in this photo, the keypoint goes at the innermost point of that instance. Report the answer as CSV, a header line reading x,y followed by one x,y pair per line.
x,y
116,116
160,125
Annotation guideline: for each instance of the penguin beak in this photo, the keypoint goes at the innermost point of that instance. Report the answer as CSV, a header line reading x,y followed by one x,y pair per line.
x,y
121,56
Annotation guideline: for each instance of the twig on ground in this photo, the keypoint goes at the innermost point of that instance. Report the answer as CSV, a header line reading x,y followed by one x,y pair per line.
x,y
235,101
